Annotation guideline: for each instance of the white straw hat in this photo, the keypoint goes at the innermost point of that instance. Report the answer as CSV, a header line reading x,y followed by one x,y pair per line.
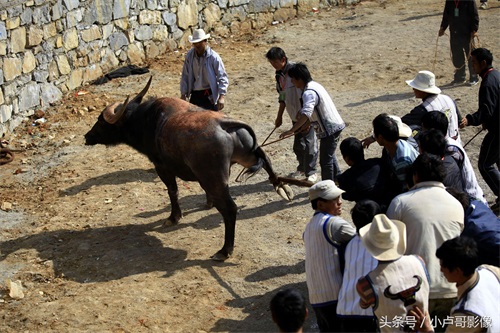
x,y
198,36
404,130
425,81
385,239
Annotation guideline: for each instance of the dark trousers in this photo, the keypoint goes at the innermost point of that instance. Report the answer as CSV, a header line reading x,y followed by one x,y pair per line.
x,y
460,50
489,161
203,99
305,147
329,166
326,317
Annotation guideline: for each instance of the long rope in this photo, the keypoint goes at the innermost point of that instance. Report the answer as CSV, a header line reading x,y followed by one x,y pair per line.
x,y
283,138
262,145
472,45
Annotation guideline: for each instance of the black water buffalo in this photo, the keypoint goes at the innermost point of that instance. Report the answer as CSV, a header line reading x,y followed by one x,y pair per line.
x,y
193,144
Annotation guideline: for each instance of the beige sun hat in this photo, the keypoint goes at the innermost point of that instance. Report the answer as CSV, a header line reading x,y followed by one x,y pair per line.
x,y
385,239
325,189
198,36
425,81
404,130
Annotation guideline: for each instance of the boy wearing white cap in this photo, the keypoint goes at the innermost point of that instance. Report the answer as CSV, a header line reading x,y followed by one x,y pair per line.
x,y
324,237
204,80
399,282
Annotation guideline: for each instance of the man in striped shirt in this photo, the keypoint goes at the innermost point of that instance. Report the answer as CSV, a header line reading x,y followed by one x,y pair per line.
x,y
325,238
358,263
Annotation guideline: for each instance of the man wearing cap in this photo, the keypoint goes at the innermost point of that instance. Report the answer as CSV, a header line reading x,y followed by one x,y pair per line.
x,y
398,282
424,88
325,237
204,80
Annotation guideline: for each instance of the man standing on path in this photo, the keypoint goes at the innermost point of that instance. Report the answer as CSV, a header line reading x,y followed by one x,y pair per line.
x,y
320,112
305,145
204,80
487,115
462,18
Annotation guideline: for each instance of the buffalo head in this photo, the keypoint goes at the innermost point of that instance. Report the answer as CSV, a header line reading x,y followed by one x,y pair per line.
x,y
107,130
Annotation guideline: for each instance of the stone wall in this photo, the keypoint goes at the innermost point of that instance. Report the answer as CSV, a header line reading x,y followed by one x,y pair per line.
x,y
50,47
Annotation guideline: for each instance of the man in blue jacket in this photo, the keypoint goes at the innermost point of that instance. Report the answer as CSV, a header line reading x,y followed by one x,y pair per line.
x,y
204,80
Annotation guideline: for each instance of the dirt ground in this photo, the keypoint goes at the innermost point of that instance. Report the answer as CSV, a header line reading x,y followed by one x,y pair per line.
x,y
85,237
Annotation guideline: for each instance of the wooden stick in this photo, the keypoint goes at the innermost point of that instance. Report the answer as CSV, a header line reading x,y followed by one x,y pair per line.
x,y
473,138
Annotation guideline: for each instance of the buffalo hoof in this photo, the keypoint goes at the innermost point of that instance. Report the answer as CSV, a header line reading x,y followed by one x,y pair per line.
x,y
285,192
220,256
209,205
171,221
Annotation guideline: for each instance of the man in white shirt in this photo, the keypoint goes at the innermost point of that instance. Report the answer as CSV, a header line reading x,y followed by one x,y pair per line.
x,y
431,216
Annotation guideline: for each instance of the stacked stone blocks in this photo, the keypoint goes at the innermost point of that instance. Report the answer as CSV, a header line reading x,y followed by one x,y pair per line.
x,y
51,47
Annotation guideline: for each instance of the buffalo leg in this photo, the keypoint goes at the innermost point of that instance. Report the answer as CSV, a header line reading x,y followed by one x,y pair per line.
x,y
218,191
173,194
228,209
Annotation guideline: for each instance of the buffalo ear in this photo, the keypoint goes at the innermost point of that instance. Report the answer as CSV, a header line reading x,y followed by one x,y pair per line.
x,y
138,99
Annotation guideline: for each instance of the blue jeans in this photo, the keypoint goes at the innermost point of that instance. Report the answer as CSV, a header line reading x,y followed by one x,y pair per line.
x,y
329,166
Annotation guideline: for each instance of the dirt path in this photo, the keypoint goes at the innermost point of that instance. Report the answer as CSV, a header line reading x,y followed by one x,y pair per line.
x,y
85,237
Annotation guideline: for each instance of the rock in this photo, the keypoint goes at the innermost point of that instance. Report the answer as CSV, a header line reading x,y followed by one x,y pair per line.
x,y
39,114
6,206
15,289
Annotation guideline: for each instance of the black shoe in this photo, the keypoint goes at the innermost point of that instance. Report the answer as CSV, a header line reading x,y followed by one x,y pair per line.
x,y
458,82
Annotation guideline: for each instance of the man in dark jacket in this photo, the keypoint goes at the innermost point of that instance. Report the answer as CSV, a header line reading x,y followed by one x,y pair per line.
x,y
463,20
365,179
487,115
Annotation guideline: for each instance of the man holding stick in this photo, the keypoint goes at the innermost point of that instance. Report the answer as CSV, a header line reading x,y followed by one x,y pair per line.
x,y
487,116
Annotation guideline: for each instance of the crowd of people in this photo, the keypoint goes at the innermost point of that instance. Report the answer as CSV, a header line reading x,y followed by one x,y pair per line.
x,y
418,208
424,251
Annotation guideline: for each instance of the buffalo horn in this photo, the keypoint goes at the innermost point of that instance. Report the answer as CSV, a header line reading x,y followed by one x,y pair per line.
x,y
109,113
138,98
